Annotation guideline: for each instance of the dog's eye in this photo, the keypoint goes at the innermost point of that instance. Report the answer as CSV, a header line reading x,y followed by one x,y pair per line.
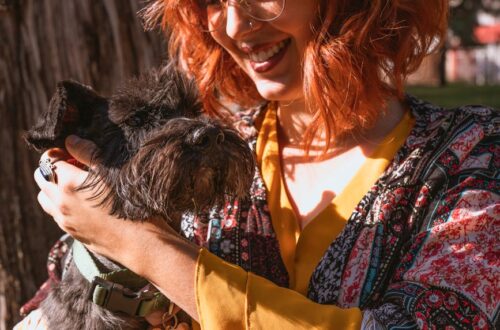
x,y
136,120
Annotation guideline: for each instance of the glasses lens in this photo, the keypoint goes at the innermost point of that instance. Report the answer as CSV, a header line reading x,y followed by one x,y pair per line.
x,y
261,10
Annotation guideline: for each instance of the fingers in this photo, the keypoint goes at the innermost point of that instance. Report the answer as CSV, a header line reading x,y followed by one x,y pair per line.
x,y
51,209
68,177
47,204
58,199
48,188
63,177
56,154
80,148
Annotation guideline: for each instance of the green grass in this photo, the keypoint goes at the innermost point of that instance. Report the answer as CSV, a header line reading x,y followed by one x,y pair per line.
x,y
458,94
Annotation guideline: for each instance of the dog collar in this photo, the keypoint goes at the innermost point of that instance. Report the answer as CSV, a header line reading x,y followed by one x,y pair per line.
x,y
115,290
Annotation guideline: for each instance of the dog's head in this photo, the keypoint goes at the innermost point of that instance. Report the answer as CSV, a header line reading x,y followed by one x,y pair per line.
x,y
158,155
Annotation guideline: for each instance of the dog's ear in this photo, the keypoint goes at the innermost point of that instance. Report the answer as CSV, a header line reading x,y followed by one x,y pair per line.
x,y
70,110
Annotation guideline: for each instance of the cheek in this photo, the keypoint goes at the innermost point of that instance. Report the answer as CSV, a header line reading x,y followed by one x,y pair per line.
x,y
218,36
227,44
235,55
223,40
302,37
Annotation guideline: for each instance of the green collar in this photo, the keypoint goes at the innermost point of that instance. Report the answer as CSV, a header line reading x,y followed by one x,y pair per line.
x,y
119,290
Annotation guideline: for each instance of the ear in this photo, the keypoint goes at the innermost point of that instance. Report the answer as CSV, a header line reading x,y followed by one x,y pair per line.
x,y
71,108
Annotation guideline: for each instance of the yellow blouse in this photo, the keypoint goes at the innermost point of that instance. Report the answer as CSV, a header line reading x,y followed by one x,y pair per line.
x,y
228,297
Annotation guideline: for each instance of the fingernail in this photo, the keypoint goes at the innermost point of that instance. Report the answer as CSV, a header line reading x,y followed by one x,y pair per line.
x,y
73,139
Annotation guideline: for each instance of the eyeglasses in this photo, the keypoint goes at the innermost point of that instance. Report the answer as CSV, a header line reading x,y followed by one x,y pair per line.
x,y
259,10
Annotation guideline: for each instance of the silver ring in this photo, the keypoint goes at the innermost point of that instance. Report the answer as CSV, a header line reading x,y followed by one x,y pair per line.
x,y
47,170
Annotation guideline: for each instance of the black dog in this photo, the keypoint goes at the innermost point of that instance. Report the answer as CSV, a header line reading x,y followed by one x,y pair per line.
x,y
158,157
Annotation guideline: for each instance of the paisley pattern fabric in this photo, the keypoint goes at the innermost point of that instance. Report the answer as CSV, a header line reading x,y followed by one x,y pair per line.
x,y
421,249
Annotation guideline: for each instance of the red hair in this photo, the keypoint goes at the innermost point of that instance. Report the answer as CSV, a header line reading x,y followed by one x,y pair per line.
x,y
361,54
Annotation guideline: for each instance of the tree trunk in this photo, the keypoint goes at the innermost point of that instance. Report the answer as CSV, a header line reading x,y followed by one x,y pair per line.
x,y
99,43
442,67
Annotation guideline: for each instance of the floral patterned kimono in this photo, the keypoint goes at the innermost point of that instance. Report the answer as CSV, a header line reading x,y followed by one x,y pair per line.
x,y
420,250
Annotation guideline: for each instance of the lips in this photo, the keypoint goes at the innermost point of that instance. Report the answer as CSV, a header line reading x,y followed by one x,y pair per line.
x,y
265,58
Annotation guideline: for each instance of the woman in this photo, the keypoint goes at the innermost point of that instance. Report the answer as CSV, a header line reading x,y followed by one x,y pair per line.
x,y
335,134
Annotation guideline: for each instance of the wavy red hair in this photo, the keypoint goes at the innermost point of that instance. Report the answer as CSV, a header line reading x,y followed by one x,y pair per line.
x,y
360,56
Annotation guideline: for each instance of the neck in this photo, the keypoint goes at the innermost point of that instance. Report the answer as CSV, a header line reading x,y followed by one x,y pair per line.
x,y
294,119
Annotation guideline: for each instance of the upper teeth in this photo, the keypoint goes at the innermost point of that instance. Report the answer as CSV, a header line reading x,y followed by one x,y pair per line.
x,y
264,55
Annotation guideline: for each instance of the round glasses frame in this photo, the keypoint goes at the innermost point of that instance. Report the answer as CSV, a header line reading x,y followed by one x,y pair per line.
x,y
245,5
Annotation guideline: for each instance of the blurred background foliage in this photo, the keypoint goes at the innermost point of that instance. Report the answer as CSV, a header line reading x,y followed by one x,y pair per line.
x,y
465,17
467,70
453,95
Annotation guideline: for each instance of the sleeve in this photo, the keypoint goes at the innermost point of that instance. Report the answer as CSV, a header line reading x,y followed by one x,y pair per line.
x,y
450,275
228,297
55,264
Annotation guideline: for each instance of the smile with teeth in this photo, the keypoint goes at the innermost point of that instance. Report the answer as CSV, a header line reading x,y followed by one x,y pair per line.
x,y
264,55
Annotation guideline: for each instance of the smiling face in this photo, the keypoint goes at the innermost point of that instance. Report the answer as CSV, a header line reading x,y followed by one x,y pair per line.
x,y
271,53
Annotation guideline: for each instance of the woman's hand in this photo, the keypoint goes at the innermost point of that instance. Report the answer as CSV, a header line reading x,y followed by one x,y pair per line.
x,y
76,212
150,248
68,206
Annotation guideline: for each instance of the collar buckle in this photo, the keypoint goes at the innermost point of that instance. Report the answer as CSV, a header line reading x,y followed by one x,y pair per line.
x,y
117,298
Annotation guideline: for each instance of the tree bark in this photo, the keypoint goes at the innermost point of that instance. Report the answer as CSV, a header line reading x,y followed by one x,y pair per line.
x,y
99,43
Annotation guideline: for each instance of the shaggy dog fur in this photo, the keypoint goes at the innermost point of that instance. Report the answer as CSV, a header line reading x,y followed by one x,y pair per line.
x,y
158,156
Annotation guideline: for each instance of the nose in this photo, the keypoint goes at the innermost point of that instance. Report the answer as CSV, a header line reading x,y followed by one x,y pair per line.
x,y
238,23
207,137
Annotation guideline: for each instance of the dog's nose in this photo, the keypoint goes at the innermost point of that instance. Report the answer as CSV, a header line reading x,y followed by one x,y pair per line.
x,y
207,137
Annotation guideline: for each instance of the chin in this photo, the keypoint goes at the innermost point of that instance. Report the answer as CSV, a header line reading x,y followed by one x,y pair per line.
x,y
277,91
